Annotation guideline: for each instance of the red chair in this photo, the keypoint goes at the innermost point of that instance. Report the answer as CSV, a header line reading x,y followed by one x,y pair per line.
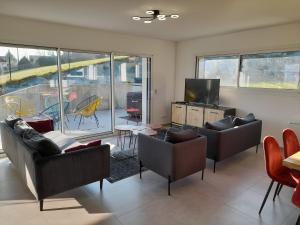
x,y
296,200
275,170
290,142
291,145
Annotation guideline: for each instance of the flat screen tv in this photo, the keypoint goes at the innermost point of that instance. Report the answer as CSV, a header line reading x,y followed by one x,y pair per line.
x,y
204,91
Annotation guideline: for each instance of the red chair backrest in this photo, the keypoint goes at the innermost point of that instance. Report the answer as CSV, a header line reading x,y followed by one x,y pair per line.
x,y
290,142
296,196
273,156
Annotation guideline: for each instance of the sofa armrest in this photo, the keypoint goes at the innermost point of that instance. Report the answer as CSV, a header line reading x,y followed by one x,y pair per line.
x,y
189,157
155,154
239,138
62,172
212,141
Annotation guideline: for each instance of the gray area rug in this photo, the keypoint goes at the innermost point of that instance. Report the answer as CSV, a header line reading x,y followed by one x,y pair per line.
x,y
123,165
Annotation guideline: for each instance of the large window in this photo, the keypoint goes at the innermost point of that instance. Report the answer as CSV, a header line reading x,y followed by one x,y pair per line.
x,y
277,70
74,88
28,81
271,70
224,68
131,74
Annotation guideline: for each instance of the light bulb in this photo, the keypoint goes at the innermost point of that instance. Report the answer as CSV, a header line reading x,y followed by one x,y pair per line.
x,y
136,18
150,12
174,16
147,21
161,16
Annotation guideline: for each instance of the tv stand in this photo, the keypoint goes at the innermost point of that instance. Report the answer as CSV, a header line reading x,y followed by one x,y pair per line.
x,y
197,114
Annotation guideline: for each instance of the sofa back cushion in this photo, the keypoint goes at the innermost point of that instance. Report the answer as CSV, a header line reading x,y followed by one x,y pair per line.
x,y
41,144
21,126
219,125
244,120
11,120
178,135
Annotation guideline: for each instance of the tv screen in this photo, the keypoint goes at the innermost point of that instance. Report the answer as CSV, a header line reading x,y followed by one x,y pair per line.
x,y
205,91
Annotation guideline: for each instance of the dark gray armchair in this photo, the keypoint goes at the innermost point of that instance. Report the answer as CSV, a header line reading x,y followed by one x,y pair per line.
x,y
172,161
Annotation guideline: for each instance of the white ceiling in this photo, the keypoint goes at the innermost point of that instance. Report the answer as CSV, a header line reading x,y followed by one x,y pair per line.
x,y
198,17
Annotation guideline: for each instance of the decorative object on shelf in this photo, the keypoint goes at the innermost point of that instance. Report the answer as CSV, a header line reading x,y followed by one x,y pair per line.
x,y
153,15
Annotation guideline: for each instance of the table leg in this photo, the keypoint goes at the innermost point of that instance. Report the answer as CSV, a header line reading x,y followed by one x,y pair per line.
x,y
130,138
135,138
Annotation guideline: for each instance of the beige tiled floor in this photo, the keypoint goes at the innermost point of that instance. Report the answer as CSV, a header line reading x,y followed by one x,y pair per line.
x,y
231,196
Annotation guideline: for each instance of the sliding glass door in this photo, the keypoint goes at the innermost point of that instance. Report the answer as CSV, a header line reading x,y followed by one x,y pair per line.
x,y
28,82
131,88
79,90
86,85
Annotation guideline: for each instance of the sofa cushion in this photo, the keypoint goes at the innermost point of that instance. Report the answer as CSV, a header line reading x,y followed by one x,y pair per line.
x,y
219,125
68,144
21,126
178,135
78,146
38,142
61,140
11,120
244,120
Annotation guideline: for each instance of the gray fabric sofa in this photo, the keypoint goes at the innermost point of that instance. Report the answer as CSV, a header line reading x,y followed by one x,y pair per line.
x,y
47,176
228,142
172,161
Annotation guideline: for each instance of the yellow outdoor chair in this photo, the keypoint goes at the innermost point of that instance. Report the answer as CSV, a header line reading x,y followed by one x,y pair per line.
x,y
19,106
87,108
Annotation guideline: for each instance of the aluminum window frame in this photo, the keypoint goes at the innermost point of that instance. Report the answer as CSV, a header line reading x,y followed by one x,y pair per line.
x,y
111,54
240,55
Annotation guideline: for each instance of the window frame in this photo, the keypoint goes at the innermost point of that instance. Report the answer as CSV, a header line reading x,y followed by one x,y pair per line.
x,y
240,55
111,54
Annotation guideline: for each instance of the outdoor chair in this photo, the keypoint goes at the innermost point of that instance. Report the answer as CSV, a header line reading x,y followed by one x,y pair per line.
x,y
87,108
19,107
54,112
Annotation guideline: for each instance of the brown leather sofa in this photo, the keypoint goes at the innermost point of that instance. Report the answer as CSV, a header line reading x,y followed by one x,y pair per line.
x,y
228,142
172,161
47,176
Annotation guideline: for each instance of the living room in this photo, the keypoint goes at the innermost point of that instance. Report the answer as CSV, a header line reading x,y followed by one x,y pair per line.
x,y
173,50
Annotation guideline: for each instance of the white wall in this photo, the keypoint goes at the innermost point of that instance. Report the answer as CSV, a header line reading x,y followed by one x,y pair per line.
x,y
276,108
30,32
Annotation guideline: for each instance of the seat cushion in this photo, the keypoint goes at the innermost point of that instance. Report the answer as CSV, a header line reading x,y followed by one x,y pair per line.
x,y
244,120
38,142
219,125
68,144
61,140
178,135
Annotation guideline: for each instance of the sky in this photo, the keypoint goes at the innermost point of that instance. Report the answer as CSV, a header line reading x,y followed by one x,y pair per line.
x,y
25,52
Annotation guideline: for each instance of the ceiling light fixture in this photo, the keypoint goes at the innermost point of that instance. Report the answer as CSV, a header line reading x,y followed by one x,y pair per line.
x,y
155,14
136,18
150,12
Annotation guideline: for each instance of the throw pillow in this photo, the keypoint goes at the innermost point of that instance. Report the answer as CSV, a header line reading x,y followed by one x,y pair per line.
x,y
244,120
21,126
78,146
176,136
219,125
11,120
38,142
